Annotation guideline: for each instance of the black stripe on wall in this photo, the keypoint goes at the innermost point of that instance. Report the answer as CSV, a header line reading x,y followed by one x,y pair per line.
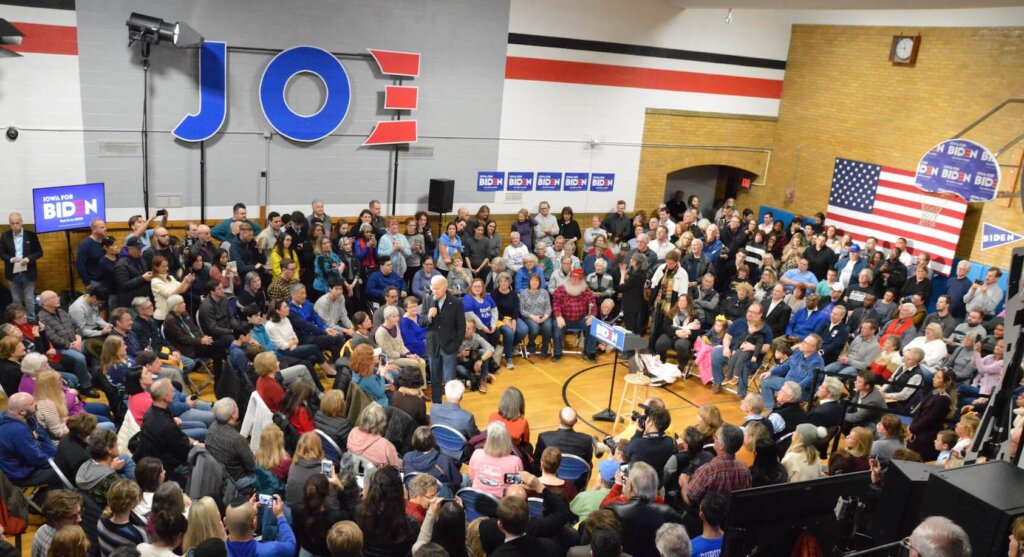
x,y
51,4
639,50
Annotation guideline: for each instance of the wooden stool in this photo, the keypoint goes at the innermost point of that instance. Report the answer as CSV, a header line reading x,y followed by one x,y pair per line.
x,y
634,382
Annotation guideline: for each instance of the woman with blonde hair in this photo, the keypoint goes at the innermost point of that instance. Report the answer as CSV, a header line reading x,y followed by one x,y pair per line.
x,y
892,436
331,418
69,541
204,522
802,461
272,455
709,419
489,465
114,360
853,457
764,287
367,438
165,285
119,526
965,430
52,404
364,364
309,451
792,253
753,432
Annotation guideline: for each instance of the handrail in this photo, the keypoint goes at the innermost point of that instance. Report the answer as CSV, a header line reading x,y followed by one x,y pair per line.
x,y
986,116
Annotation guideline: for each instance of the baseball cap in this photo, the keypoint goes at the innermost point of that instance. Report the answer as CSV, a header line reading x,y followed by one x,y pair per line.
x,y
854,248
577,273
108,241
133,242
608,467
837,286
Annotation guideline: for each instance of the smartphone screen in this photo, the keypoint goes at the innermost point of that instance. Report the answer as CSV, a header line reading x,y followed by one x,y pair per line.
x,y
513,478
326,467
266,500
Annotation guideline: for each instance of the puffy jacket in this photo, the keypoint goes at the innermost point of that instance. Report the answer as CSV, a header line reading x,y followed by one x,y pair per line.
x,y
24,447
641,518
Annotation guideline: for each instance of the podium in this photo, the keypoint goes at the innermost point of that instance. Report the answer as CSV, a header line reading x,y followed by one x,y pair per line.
x,y
621,339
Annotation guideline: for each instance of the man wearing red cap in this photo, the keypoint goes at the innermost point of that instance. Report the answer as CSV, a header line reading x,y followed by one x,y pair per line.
x,y
573,307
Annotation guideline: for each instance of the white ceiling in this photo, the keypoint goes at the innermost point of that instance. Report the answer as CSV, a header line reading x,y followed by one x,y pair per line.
x,y
844,4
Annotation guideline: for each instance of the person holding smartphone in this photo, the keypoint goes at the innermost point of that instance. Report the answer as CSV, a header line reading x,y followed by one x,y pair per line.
x,y
240,521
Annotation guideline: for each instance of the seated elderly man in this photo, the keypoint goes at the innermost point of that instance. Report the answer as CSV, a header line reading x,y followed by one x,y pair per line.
x,y
25,446
788,411
63,335
938,535
515,253
226,444
902,327
311,329
565,438
671,540
640,516
161,437
548,528
561,274
723,474
573,308
798,368
600,283
828,412
902,393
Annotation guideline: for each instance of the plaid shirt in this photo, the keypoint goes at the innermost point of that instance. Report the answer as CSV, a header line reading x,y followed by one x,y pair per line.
x,y
724,474
573,308
280,290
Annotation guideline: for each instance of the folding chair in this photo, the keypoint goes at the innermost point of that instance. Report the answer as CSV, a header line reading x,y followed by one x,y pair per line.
x,y
477,503
578,343
332,451
536,507
573,468
450,441
202,367
63,479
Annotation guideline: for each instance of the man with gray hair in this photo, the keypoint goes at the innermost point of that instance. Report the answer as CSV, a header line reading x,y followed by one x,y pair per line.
x,y
828,412
161,437
788,412
20,249
226,444
723,474
672,541
514,253
938,536
446,327
600,282
640,515
902,392
311,329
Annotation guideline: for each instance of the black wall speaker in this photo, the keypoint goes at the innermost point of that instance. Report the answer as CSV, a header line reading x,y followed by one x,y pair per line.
x,y
442,195
899,505
984,499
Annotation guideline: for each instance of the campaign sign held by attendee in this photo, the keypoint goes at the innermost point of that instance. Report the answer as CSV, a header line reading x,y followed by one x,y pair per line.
x,y
962,167
520,181
575,181
549,181
68,207
602,182
490,181
992,236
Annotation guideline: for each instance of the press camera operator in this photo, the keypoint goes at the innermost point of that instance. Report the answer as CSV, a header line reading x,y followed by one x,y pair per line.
x,y
650,444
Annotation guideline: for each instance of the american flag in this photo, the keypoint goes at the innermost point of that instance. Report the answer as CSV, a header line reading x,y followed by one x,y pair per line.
x,y
873,200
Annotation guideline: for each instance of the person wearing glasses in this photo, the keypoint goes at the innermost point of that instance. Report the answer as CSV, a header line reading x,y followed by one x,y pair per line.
x,y
938,535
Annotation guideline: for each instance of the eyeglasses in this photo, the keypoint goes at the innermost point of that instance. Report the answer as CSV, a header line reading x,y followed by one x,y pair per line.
x,y
905,544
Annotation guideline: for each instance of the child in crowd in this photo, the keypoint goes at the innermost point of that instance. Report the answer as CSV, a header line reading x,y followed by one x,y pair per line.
x,y
944,442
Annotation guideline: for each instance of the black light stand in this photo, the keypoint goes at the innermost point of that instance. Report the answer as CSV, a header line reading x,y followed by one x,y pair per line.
x,y
632,342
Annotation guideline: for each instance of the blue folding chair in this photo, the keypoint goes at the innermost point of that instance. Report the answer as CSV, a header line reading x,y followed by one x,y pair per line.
x,y
477,503
573,468
536,507
450,441
332,451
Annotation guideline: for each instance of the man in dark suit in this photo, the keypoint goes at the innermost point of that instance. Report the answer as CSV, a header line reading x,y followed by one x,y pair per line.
x,y
828,412
20,249
788,413
834,334
565,438
445,331
776,311
513,518
640,516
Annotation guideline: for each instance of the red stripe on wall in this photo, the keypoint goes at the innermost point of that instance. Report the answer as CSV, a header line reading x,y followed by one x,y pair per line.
x,y
560,71
46,39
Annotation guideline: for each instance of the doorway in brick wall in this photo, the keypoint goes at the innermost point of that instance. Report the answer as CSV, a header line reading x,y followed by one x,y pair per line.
x,y
712,183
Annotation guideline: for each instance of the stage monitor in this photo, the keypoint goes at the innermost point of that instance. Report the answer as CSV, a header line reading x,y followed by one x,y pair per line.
x,y
768,519
68,207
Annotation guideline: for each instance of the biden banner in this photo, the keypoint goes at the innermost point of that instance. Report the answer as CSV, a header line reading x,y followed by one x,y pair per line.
x,y
962,167
68,207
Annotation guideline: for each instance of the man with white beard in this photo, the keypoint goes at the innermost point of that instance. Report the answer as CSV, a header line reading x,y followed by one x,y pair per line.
x,y
573,307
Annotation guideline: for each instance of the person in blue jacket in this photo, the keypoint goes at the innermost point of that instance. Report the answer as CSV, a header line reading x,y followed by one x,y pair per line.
x,y
382,278
799,368
25,447
414,333
530,267
241,522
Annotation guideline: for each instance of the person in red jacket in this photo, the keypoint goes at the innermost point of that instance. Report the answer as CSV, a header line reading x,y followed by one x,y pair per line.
x,y
298,405
267,384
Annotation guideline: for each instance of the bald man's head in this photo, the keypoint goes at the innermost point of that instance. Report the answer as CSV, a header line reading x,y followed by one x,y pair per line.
x,y
516,491
19,402
567,417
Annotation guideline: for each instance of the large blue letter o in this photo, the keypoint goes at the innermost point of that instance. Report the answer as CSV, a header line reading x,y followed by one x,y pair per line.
x,y
281,70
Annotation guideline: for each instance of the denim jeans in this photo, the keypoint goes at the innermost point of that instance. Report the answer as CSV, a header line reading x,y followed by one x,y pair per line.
x,y
589,347
81,368
843,370
544,329
194,430
23,292
718,362
770,386
201,413
511,338
442,370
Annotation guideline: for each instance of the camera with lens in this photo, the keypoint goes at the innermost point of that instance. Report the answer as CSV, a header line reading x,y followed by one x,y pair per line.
x,y
636,416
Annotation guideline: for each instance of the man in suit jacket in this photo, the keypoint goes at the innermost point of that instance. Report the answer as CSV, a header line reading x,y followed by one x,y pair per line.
x,y
513,517
20,249
828,412
834,334
776,311
565,438
445,331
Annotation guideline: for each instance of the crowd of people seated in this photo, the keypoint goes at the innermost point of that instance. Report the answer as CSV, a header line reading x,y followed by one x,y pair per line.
x,y
325,338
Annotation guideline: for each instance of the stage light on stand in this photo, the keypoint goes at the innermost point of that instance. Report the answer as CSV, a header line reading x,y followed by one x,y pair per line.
x,y
153,30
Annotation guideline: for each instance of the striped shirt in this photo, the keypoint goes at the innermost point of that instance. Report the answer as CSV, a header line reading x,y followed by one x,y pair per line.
x,y
113,536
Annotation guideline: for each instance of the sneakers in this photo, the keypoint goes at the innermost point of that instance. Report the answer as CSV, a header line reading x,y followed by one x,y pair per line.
x,y
509,364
